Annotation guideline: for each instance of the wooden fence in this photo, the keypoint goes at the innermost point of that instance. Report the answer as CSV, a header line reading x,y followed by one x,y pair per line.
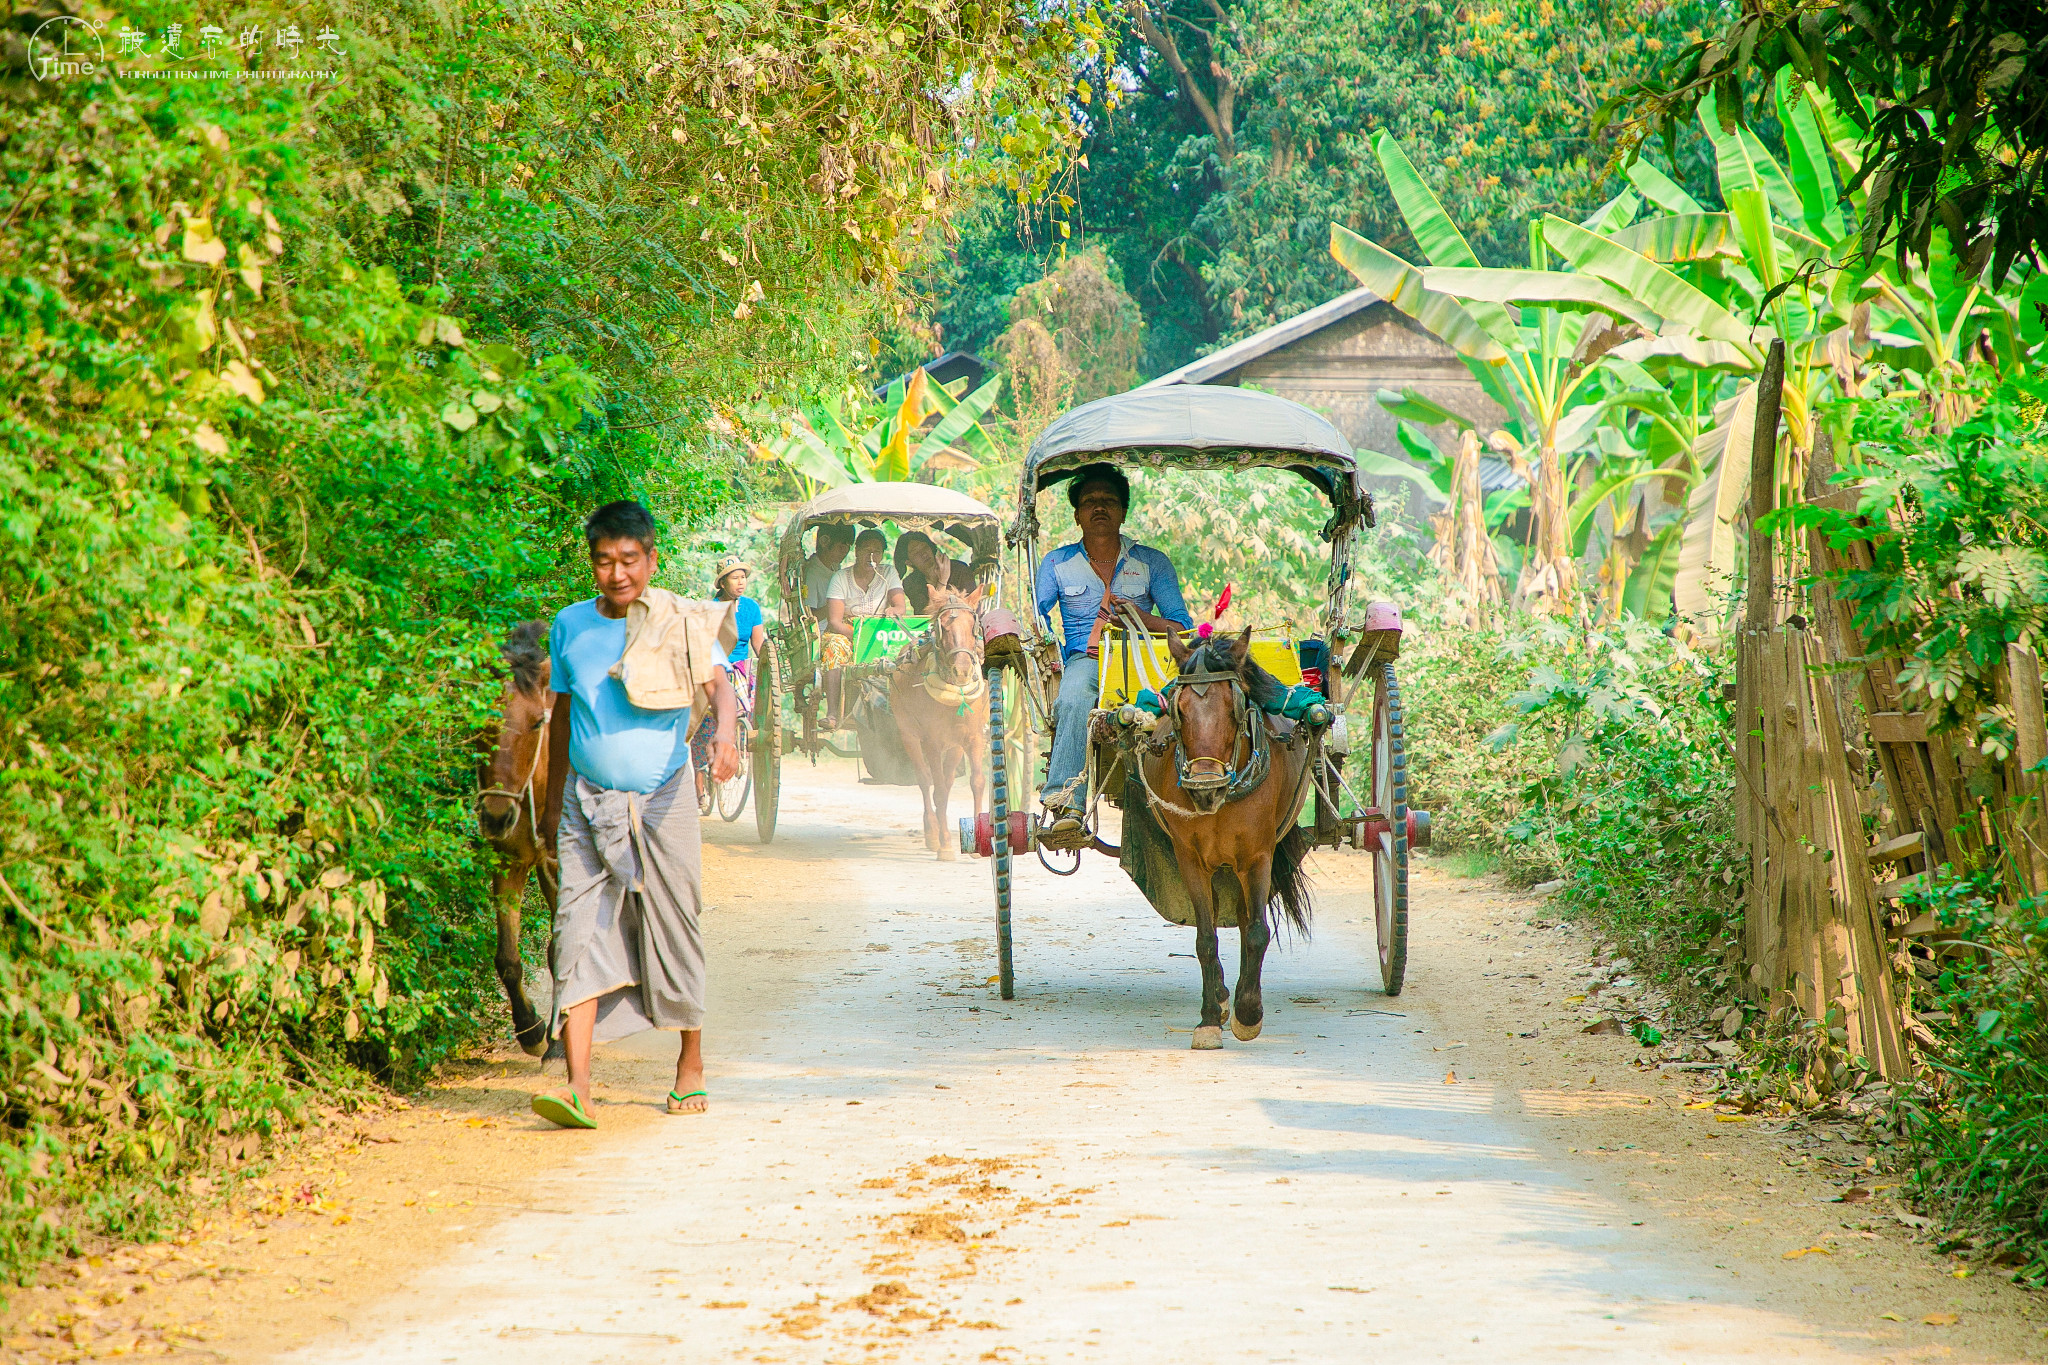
x,y
1847,799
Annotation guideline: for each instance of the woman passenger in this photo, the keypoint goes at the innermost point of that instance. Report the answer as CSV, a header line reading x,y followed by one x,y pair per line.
x,y
862,591
922,569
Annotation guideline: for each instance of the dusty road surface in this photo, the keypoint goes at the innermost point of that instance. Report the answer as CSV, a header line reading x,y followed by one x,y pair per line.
x,y
899,1166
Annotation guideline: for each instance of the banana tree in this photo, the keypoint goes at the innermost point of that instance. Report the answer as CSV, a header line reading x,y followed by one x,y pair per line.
x,y
1538,340
848,438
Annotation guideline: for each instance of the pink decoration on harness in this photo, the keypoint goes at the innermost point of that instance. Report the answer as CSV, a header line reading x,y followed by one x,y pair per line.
x,y
1382,616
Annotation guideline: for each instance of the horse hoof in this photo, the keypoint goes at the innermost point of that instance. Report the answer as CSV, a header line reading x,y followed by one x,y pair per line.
x,y
1244,1033
948,854
555,1053
1207,1038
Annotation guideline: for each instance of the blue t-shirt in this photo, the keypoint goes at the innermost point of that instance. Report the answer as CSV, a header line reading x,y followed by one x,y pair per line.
x,y
611,741
1143,577
744,620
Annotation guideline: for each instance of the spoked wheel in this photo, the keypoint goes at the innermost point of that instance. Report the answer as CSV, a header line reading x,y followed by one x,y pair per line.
x,y
733,792
999,819
1390,849
767,758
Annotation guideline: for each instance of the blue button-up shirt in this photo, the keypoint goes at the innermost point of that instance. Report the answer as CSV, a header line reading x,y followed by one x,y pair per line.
x,y
1144,577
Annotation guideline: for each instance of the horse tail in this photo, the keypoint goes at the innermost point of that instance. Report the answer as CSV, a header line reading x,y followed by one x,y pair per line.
x,y
1290,880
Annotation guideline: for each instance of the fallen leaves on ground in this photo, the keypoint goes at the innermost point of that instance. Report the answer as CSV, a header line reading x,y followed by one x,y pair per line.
x,y
1809,1251
1941,1319
1609,1025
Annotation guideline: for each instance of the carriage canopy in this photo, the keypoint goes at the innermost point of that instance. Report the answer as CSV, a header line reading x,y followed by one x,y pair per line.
x,y
1196,426
912,506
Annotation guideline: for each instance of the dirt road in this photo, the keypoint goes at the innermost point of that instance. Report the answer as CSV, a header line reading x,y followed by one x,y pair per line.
x,y
900,1166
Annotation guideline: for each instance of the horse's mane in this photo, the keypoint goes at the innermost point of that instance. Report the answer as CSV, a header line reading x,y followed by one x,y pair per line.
x,y
526,654
1213,656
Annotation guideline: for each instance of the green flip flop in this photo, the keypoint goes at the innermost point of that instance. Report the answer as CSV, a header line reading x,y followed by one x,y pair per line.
x,y
674,1099
568,1113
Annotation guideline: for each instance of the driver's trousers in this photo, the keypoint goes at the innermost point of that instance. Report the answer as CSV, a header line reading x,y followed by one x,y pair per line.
x,y
1079,689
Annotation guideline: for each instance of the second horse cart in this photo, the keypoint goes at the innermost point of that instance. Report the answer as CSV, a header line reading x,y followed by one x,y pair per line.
x,y
862,726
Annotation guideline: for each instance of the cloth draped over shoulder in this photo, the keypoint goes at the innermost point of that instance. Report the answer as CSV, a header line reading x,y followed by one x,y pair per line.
x,y
670,659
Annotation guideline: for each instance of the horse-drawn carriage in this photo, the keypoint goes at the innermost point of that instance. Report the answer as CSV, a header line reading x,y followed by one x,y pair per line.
x,y
1211,747
860,719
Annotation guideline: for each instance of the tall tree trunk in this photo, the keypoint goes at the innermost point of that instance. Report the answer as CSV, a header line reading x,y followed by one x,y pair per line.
x,y
1217,114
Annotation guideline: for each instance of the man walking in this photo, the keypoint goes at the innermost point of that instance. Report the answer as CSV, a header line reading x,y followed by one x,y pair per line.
x,y
629,667
1089,580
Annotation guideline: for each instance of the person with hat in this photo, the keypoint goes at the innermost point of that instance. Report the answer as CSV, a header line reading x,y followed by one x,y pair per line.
x,y
729,584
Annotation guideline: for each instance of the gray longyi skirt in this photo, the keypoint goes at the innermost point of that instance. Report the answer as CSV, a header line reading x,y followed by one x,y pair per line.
x,y
626,926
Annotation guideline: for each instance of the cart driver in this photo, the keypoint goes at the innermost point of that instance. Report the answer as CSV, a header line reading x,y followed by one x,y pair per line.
x,y
1090,579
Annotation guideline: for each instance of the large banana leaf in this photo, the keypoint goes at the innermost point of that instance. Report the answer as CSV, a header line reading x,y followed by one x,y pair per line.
x,y
1647,594
1661,190
1706,558
1675,237
1742,189
1665,293
1548,288
1435,233
965,416
1441,242
1813,174
1386,466
1410,406
801,449
1401,284
1614,215
1588,503
892,465
1705,355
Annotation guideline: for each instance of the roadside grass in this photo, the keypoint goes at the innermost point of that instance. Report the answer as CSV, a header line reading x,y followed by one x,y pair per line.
x,y
1467,862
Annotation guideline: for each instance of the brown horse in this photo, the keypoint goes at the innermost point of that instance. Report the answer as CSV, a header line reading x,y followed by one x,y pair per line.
x,y
1227,792
941,703
511,794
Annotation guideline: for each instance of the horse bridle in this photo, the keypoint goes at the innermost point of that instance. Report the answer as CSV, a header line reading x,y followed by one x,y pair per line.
x,y
933,640
1235,783
526,792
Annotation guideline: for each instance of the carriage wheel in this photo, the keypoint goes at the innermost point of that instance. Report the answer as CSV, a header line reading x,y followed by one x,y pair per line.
x,y
1390,850
999,815
767,763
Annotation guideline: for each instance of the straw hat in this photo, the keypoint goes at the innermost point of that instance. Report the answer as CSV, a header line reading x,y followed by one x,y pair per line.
x,y
725,566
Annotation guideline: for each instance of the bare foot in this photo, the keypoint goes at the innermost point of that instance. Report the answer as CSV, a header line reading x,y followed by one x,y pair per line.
x,y
688,1097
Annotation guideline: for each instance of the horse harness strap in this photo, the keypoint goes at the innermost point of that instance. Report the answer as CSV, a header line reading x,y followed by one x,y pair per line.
x,y
945,693
1208,774
525,792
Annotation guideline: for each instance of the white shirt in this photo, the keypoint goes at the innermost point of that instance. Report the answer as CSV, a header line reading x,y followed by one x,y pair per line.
x,y
867,601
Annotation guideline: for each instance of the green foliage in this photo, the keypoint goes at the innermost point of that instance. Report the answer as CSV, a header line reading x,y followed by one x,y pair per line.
x,y
1598,757
1975,1140
1950,99
1962,570
303,389
1217,237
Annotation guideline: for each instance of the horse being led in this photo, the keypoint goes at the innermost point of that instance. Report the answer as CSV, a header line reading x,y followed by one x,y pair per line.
x,y
941,703
1227,792
512,793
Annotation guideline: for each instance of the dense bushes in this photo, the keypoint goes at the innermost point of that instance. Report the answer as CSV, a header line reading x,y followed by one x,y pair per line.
x,y
1596,757
301,388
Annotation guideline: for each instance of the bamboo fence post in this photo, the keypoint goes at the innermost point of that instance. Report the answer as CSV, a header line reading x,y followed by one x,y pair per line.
x,y
2030,819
